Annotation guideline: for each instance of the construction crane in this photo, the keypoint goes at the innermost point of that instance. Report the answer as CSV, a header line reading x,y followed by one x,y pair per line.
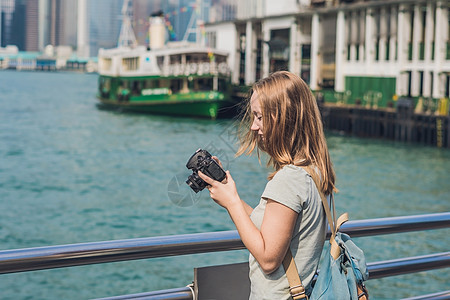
x,y
127,37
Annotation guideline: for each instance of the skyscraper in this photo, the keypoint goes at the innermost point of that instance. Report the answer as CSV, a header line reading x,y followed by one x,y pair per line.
x,y
32,26
7,8
58,20
142,9
69,21
99,24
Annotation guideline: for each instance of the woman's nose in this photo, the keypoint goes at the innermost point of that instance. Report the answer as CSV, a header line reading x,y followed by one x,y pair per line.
x,y
254,126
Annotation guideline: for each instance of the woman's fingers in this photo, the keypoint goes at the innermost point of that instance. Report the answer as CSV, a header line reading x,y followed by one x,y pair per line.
x,y
217,160
206,178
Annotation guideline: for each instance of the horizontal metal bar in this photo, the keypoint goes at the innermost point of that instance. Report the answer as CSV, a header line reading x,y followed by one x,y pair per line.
x,y
184,293
390,225
408,265
41,258
377,270
445,295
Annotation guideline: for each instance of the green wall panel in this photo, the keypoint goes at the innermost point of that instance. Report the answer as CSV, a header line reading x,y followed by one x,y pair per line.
x,y
361,86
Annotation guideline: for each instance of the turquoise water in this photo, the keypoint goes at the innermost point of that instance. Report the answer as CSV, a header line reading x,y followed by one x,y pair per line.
x,y
72,173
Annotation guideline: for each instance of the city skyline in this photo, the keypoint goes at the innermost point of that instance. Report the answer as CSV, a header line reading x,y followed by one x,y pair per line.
x,y
86,25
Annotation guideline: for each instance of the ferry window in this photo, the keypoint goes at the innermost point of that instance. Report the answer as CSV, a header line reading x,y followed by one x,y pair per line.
x,y
203,84
107,63
130,64
151,83
160,61
124,84
211,39
164,83
176,85
175,59
136,87
220,59
222,84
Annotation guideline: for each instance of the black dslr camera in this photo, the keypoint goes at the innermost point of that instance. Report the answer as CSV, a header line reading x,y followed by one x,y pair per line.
x,y
202,161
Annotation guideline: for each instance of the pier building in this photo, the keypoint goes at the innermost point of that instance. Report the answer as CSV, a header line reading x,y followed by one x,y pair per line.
x,y
353,51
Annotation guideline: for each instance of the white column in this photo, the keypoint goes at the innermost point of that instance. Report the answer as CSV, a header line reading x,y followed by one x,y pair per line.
x,y
362,35
315,55
249,54
415,83
417,28
427,89
394,33
417,32
440,48
339,81
402,49
383,35
294,50
369,39
429,31
265,51
237,58
354,21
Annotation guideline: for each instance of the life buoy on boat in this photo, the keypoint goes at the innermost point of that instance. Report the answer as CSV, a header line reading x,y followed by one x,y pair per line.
x,y
223,68
205,68
192,68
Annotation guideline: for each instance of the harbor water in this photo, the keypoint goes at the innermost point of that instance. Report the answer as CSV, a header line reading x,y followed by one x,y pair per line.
x,y
71,173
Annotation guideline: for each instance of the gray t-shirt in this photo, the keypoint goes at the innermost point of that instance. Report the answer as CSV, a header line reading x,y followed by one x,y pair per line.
x,y
293,187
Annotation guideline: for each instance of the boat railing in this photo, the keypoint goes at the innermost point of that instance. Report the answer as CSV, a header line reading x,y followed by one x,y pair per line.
x,y
196,68
49,257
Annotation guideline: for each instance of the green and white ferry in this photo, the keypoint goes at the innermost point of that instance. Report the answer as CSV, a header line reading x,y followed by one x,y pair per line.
x,y
179,79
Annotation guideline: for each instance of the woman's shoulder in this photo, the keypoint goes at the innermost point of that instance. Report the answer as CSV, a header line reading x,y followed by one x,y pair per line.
x,y
292,171
291,174
290,186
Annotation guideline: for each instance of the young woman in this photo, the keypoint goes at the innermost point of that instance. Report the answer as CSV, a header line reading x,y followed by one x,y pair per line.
x,y
283,120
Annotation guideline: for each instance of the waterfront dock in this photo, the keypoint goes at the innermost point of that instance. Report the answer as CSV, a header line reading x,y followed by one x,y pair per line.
x,y
398,124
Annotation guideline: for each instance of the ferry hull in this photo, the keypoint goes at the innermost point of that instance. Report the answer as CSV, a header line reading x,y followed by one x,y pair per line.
x,y
203,109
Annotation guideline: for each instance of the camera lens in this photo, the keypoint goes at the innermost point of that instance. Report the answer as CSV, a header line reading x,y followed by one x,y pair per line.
x,y
196,183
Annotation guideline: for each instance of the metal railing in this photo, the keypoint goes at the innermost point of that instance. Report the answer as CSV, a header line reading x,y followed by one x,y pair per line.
x,y
41,258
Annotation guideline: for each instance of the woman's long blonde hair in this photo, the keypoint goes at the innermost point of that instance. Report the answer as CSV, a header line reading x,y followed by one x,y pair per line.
x,y
292,127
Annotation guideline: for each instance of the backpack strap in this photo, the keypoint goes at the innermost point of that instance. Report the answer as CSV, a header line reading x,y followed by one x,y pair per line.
x,y
297,289
335,250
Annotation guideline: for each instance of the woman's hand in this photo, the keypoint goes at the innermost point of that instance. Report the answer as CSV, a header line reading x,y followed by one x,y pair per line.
x,y
223,193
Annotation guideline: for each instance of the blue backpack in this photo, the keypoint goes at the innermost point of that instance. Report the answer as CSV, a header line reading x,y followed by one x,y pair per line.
x,y
343,269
